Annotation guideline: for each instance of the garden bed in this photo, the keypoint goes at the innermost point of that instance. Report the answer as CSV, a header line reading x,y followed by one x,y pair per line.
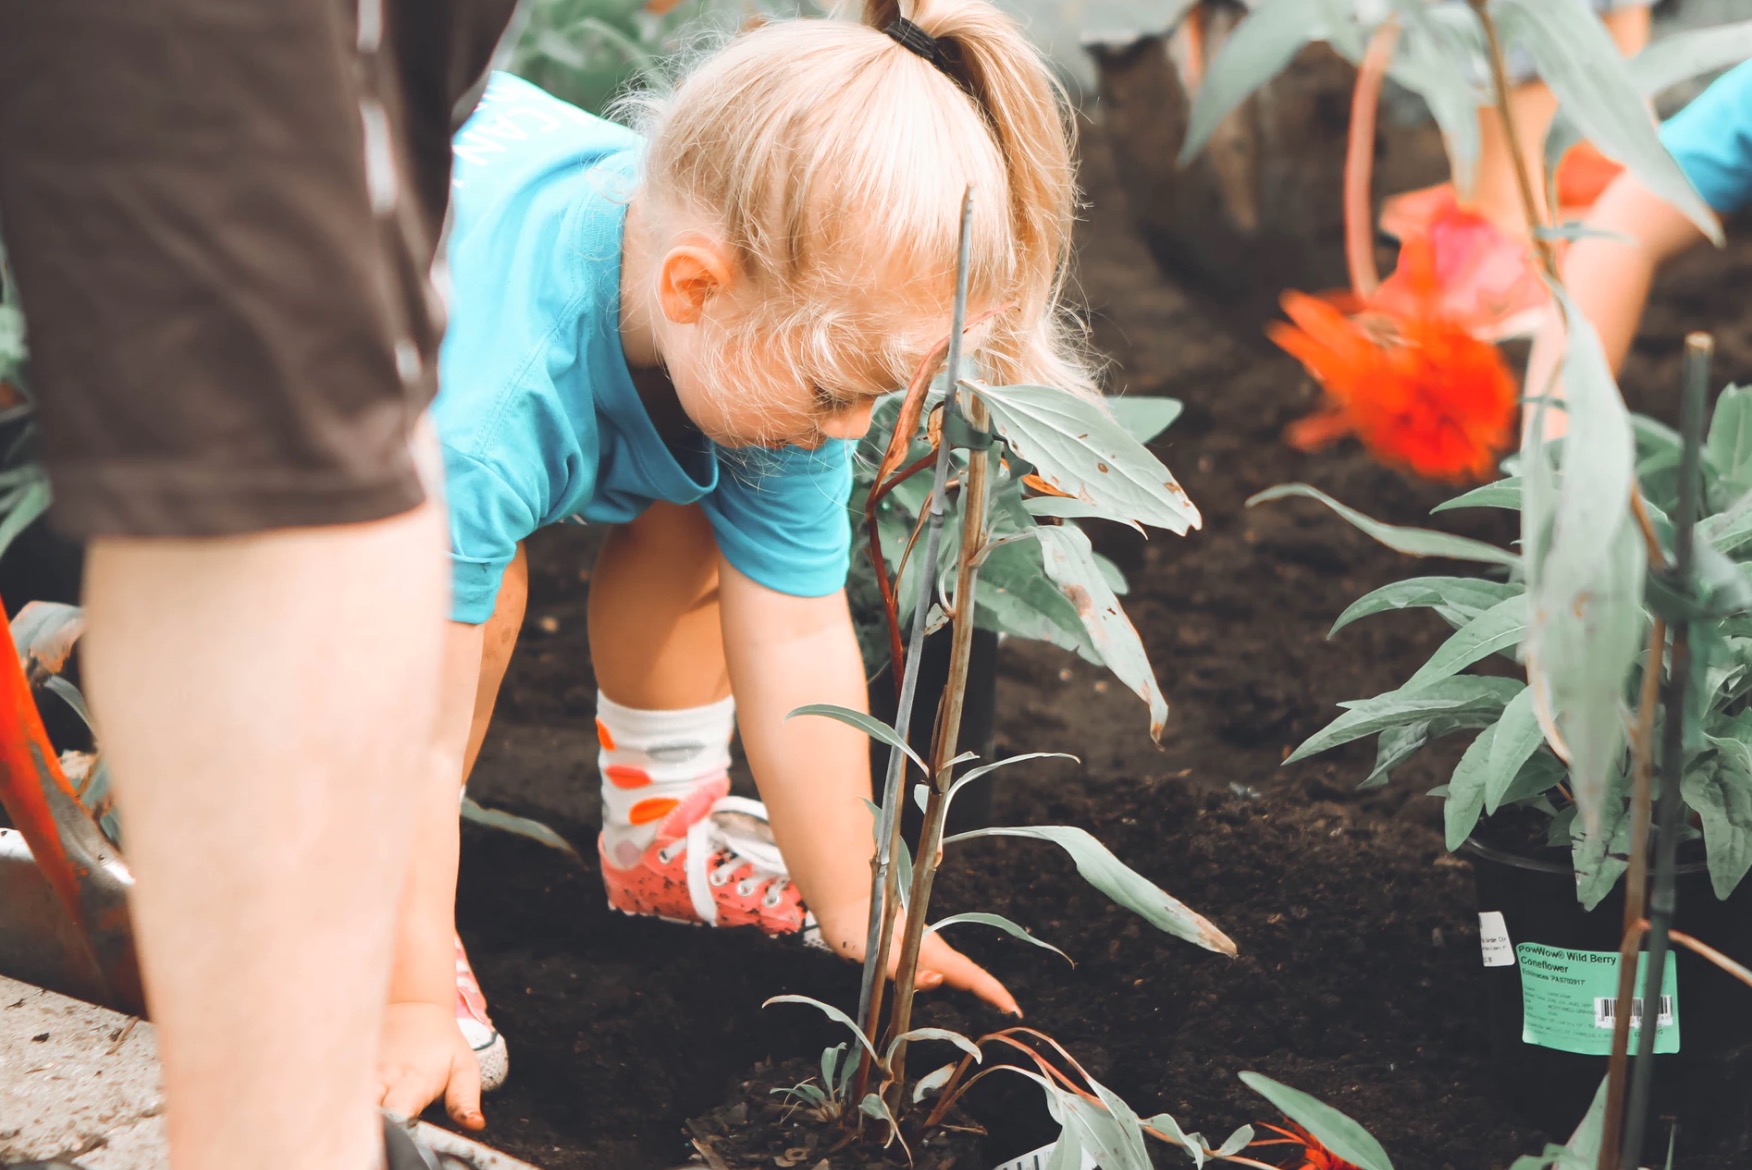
x,y
1357,979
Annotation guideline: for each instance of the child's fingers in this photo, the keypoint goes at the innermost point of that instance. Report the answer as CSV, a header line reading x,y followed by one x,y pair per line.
x,y
405,1094
462,1097
959,971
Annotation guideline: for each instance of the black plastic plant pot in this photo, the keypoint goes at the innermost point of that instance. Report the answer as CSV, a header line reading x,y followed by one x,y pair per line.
x,y
1550,983
973,804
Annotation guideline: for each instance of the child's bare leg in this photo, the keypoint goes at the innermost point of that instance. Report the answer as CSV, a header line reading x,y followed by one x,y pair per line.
x,y
266,702
655,637
1497,195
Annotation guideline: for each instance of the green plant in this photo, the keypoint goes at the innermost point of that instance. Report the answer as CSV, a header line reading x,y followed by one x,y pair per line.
x,y
1511,763
994,454
588,51
1016,596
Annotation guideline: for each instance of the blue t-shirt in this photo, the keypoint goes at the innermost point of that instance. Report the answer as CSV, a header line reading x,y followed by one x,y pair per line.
x,y
1712,141
537,412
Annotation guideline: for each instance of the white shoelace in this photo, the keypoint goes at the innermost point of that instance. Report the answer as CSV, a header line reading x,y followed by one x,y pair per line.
x,y
719,837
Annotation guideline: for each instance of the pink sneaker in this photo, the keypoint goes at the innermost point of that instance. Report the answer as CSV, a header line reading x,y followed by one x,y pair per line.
x,y
713,863
471,1016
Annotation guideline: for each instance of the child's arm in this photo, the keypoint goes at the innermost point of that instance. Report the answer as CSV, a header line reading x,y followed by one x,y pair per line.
x,y
424,1055
814,774
1608,279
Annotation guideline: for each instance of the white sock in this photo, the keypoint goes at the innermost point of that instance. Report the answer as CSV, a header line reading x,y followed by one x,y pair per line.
x,y
652,761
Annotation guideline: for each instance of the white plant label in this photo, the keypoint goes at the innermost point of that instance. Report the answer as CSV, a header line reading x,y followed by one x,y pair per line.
x,y
1039,1160
1493,939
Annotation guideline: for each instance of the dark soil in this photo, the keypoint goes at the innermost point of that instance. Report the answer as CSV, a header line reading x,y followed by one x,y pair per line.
x,y
1358,978
766,1126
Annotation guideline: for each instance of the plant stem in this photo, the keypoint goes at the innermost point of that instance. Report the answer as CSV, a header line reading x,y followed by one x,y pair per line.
x,y
1359,158
973,521
1636,882
1699,347
885,876
1531,203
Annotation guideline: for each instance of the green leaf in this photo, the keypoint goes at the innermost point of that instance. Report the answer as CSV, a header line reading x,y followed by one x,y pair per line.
x,y
1144,416
21,508
1675,58
1599,853
973,774
1416,542
1130,889
1236,1142
1066,556
1498,629
1003,924
1586,568
1080,451
1191,1144
832,1013
943,1034
1334,1130
1729,530
1501,493
1517,737
69,694
1438,59
520,826
1719,791
1456,599
1016,597
868,724
932,1081
1260,48
1577,58
832,1060
44,633
1466,789
1464,695
1729,446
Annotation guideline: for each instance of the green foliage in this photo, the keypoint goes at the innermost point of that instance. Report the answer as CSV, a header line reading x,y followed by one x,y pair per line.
x,y
1590,657
1039,578
1334,1130
588,51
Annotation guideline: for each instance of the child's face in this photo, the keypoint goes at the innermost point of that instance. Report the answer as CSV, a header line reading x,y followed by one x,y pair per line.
x,y
743,388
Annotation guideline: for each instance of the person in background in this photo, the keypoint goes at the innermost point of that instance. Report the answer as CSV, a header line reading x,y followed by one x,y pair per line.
x,y
1608,275
222,220
1483,249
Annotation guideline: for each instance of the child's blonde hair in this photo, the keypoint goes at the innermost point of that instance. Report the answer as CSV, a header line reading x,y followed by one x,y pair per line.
x,y
832,158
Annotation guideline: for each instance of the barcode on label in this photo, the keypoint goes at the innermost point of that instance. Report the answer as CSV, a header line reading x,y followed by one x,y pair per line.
x,y
1606,1012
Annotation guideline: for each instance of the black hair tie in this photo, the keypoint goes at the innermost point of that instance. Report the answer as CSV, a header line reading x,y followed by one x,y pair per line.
x,y
915,39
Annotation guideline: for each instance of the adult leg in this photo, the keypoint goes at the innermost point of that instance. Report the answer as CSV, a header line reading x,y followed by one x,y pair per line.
x,y
266,705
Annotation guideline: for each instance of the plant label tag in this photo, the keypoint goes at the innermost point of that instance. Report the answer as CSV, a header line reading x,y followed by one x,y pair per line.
x,y
1041,1158
1569,1000
1493,938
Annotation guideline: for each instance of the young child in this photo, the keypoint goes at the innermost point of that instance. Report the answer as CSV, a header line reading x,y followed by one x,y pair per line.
x,y
1608,276
679,331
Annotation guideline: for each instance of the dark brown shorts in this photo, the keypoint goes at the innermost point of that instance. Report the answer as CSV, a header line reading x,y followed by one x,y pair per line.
x,y
222,217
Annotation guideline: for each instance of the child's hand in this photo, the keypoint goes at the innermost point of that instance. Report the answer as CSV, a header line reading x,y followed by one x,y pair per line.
x,y
939,963
425,1057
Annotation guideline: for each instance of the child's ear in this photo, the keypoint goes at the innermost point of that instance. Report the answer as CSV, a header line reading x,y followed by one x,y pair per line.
x,y
693,271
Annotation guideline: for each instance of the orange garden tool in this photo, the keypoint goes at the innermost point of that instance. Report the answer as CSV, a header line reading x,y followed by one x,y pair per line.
x,y
85,871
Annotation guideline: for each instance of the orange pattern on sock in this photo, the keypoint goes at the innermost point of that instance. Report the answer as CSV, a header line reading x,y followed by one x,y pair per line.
x,y
627,776
603,737
655,809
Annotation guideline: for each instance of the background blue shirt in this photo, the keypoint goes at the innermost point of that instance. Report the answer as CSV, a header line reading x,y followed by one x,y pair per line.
x,y
538,415
1712,140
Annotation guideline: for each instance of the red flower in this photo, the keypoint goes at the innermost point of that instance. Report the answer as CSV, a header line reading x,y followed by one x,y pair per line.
x,y
1314,1155
1404,375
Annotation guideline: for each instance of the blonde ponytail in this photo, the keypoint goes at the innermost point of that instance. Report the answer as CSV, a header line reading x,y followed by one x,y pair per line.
x,y
833,159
